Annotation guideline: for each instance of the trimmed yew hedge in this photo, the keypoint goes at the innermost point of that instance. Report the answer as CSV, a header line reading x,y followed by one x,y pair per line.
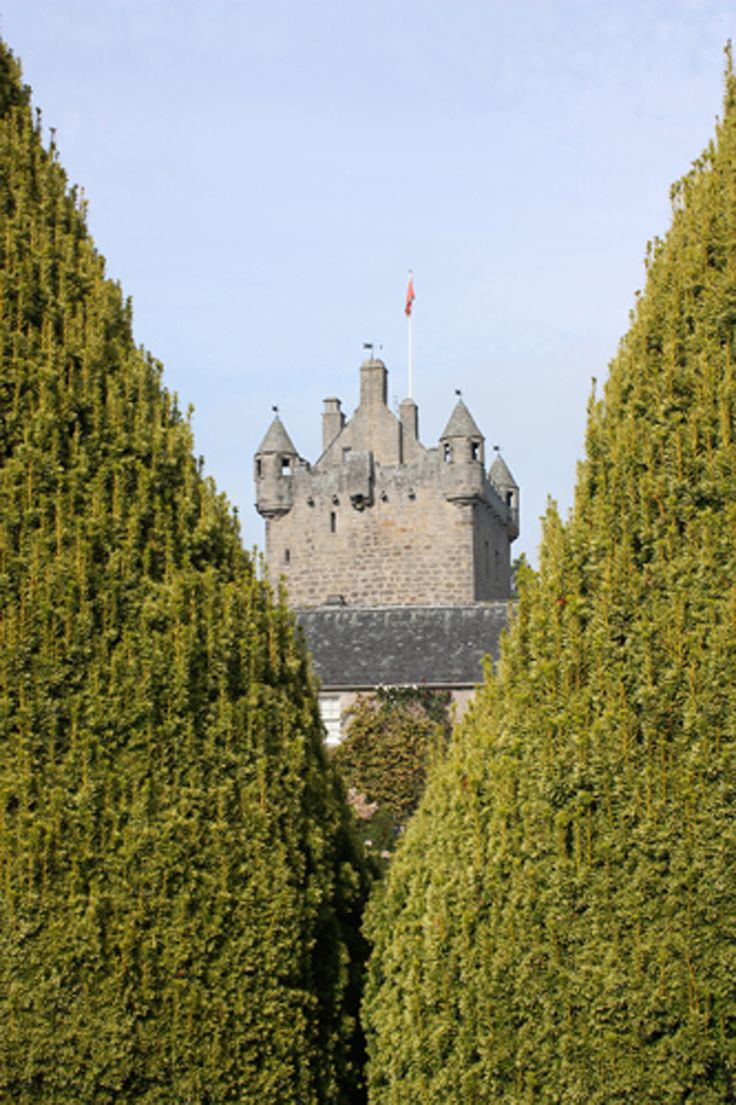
x,y
558,923
179,894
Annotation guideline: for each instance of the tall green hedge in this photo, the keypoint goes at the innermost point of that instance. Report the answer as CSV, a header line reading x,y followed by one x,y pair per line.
x,y
178,888
559,925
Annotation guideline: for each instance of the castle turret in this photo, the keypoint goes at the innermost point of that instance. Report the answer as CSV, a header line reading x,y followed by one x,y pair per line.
x,y
462,447
461,439
508,489
275,463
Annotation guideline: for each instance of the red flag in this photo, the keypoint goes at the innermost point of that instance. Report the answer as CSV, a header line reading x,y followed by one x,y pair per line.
x,y
409,296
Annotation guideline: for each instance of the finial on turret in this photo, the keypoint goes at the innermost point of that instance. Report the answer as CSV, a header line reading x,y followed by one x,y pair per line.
x,y
275,409
496,448
458,392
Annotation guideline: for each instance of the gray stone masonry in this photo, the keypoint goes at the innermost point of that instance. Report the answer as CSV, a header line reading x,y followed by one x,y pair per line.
x,y
380,520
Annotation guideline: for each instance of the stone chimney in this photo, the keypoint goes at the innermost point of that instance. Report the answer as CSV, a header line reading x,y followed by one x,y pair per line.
x,y
373,383
333,421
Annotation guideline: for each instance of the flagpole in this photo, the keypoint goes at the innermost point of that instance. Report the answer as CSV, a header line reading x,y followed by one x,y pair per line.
x,y
410,321
411,358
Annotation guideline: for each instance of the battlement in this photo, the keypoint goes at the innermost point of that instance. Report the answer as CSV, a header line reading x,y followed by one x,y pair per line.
x,y
380,519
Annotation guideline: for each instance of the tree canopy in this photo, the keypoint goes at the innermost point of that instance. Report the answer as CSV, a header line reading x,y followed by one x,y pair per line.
x,y
392,737
179,892
558,923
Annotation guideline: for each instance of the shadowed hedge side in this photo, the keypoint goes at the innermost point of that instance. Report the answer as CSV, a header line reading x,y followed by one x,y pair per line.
x,y
179,894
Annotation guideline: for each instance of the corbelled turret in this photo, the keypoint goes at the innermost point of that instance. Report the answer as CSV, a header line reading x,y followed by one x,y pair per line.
x,y
461,445
507,487
461,439
275,462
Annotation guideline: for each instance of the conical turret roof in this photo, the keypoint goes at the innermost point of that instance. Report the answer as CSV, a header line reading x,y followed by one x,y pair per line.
x,y
277,440
500,473
461,424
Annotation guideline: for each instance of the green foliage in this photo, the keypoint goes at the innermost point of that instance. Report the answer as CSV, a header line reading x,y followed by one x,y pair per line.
x,y
557,925
392,738
179,893
517,566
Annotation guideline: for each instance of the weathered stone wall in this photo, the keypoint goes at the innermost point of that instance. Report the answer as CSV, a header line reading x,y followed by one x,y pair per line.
x,y
491,552
407,544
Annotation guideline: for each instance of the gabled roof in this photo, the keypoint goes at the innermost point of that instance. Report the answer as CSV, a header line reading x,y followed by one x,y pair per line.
x,y
277,440
358,648
461,424
500,473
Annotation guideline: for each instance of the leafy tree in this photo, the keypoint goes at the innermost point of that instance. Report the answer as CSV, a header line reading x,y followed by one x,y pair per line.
x,y
557,925
392,738
179,891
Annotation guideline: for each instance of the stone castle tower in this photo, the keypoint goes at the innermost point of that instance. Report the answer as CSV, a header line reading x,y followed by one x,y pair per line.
x,y
380,520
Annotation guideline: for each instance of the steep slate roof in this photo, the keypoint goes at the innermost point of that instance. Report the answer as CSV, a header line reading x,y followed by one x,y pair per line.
x,y
276,440
500,473
461,424
441,646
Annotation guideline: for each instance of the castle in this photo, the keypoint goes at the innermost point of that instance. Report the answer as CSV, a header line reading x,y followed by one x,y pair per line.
x,y
395,556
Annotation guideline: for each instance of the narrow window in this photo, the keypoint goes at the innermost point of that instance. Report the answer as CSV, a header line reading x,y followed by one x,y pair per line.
x,y
329,708
285,466
448,452
509,498
333,522
345,453
259,468
287,556
475,450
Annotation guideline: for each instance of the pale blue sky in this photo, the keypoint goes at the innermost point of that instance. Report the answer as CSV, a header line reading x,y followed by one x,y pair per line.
x,y
262,173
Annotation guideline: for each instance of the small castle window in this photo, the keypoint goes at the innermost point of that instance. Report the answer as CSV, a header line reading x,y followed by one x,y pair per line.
x,y
448,452
259,468
287,556
509,498
346,454
474,450
333,522
285,466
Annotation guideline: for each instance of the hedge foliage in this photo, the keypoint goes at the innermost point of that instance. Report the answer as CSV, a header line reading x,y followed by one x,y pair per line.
x,y
558,924
179,891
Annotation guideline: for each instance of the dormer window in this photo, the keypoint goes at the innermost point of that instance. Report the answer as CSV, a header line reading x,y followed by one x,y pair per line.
x,y
286,466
